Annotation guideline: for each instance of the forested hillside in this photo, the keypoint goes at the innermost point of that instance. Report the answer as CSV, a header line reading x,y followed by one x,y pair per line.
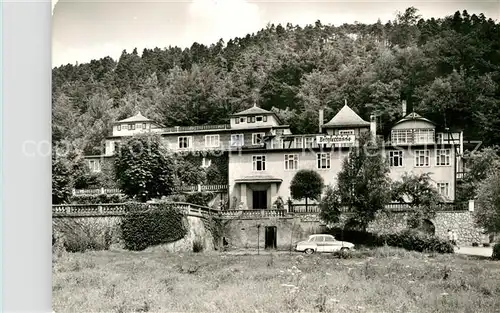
x,y
447,69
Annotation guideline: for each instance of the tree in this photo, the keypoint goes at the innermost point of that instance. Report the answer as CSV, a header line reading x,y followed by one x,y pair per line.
x,y
479,165
330,205
487,214
420,194
61,180
306,184
144,169
362,185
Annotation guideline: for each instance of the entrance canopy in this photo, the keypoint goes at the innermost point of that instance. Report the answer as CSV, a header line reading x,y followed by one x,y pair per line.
x,y
258,179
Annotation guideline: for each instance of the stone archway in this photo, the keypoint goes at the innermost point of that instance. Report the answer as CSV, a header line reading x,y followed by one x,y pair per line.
x,y
428,227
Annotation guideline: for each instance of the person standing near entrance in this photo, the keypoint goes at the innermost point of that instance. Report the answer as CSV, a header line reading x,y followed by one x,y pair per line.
x,y
450,236
455,239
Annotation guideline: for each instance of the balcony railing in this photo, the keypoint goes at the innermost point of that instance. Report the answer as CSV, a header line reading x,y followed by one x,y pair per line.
x,y
392,207
178,129
252,213
118,209
115,191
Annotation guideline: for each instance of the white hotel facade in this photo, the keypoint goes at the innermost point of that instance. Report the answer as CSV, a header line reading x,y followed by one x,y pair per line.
x,y
263,154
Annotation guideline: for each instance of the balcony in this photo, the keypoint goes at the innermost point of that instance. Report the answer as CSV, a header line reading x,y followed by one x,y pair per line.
x,y
183,129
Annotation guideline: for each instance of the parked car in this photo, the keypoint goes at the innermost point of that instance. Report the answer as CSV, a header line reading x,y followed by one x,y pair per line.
x,y
322,243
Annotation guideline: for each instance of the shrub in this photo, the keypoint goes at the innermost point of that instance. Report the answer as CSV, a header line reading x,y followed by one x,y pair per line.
x,y
416,241
162,224
100,198
197,245
199,198
409,239
475,244
496,252
82,235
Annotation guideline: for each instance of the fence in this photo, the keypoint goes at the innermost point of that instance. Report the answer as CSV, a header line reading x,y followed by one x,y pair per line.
x,y
118,209
115,191
392,207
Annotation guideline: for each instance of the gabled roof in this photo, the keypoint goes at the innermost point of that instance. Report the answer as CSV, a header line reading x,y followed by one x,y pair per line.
x,y
136,118
414,117
346,117
255,110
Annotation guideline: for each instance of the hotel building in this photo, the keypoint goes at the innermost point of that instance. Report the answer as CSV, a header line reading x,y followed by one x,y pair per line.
x,y
263,155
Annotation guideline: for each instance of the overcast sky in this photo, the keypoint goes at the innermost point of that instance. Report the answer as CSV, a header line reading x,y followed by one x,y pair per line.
x,y
91,29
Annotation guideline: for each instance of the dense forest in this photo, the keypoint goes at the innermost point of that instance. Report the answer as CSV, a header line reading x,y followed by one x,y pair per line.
x,y
447,69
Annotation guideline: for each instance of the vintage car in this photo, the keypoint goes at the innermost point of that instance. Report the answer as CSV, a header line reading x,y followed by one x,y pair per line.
x,y
322,243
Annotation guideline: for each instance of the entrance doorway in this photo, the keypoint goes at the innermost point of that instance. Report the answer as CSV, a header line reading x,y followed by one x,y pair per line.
x,y
270,239
259,199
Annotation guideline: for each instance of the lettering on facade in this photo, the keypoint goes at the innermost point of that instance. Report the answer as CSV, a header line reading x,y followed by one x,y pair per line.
x,y
334,139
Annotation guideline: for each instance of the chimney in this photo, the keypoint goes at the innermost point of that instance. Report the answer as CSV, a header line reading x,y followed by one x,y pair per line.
x,y
404,108
321,120
373,127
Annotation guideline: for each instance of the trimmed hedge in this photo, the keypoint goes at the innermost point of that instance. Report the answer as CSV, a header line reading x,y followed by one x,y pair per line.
x,y
411,240
97,199
199,198
163,224
496,252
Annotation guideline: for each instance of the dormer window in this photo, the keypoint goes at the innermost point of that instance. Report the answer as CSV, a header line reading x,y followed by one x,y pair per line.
x,y
251,119
237,120
143,125
131,126
242,120
119,127
264,118
258,118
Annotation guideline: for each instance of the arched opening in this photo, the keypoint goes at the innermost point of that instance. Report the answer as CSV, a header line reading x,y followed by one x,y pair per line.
x,y
428,227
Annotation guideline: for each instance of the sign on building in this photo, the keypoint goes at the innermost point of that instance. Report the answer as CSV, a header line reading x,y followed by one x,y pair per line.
x,y
335,139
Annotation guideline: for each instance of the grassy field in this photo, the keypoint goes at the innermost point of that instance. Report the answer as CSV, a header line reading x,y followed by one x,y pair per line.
x,y
380,280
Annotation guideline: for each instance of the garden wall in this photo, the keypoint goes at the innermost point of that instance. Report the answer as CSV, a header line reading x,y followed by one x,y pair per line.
x,y
105,232
243,233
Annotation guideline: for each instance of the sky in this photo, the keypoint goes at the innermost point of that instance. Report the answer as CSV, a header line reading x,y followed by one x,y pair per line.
x,y
83,30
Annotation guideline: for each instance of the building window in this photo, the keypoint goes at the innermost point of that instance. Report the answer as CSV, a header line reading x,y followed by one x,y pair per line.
x,y
444,190
206,162
309,141
212,141
424,136
396,158
237,120
259,162
117,146
346,132
291,161
242,120
237,140
422,158
119,127
443,157
143,125
184,142
402,136
299,141
258,138
251,119
323,160
258,118
264,118
131,126
94,166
